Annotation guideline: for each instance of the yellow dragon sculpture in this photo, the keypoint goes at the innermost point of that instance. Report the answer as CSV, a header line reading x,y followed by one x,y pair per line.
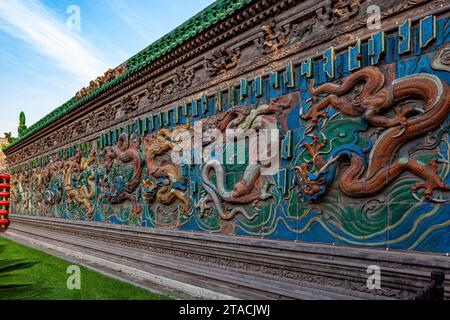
x,y
84,195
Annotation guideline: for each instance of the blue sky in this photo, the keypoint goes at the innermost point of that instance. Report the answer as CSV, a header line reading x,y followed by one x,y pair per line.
x,y
43,62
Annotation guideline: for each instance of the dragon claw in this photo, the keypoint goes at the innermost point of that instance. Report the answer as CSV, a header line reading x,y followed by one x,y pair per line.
x,y
314,115
429,187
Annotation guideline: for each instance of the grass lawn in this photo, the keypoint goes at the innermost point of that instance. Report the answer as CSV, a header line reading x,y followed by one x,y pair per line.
x,y
49,278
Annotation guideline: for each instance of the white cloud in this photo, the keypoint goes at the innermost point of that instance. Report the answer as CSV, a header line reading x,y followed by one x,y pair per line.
x,y
33,23
146,26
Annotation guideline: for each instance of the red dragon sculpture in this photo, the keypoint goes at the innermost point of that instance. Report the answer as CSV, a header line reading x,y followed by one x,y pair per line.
x,y
373,101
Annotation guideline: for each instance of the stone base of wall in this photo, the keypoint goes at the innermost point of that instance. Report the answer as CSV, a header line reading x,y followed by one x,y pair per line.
x,y
243,267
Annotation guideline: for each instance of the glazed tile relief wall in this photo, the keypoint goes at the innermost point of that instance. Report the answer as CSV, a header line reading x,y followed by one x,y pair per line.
x,y
364,155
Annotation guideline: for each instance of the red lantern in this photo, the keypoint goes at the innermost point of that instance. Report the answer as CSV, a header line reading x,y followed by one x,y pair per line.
x,y
4,201
5,176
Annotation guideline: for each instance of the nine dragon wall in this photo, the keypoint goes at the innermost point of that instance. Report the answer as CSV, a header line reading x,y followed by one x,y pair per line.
x,y
393,196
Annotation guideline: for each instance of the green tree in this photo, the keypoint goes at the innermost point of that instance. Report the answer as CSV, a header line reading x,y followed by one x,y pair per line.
x,y
22,126
9,137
